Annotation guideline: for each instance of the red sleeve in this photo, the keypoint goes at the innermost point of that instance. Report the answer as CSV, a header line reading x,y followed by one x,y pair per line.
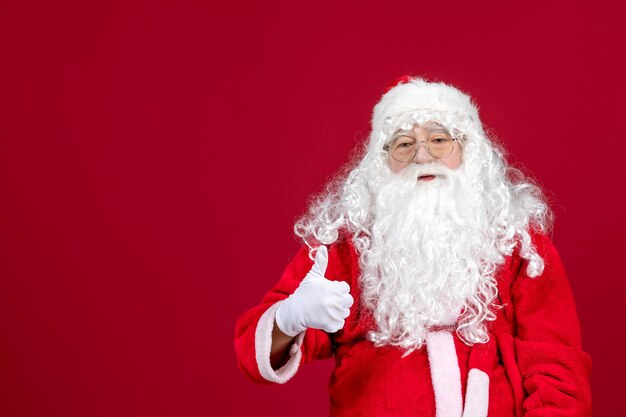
x,y
253,331
554,368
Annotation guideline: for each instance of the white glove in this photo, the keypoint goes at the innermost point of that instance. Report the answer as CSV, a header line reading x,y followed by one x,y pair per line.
x,y
318,302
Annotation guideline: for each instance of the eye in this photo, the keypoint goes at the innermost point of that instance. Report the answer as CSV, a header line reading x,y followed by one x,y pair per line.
x,y
403,142
440,139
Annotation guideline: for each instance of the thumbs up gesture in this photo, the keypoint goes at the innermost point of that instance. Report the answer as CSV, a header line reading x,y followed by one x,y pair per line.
x,y
318,302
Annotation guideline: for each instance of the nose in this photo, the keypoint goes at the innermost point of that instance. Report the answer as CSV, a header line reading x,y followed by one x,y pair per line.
x,y
422,156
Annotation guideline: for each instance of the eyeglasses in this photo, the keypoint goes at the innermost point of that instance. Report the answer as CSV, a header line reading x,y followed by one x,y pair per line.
x,y
403,147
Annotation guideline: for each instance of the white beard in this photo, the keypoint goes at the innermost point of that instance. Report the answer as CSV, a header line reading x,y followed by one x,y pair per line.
x,y
430,245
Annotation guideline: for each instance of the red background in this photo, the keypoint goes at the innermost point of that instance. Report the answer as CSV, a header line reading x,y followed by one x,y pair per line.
x,y
154,156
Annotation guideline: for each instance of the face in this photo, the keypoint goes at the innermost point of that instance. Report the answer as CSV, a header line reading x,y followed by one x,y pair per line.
x,y
421,133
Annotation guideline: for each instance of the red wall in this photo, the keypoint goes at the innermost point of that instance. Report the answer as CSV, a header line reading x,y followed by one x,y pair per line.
x,y
154,156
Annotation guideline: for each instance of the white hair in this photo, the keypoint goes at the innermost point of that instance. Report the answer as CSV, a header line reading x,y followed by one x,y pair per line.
x,y
511,204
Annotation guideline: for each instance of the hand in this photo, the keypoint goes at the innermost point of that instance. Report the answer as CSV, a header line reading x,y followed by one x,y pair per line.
x,y
318,302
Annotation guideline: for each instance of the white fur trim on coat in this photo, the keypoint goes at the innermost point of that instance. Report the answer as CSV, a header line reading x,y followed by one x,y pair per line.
x,y
445,373
263,348
476,394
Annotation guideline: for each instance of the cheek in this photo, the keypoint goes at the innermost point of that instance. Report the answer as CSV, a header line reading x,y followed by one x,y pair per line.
x,y
395,166
454,160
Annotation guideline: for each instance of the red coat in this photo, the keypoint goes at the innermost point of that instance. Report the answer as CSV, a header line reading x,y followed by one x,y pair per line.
x,y
533,365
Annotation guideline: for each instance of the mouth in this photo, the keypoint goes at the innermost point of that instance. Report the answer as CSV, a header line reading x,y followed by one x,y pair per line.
x,y
426,177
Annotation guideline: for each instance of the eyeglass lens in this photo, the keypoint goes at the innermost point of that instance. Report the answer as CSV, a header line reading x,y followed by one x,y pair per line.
x,y
404,148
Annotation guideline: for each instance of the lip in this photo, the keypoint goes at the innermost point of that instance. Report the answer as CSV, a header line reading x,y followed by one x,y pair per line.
x,y
429,177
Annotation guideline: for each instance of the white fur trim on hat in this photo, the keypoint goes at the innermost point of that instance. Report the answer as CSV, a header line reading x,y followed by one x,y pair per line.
x,y
419,94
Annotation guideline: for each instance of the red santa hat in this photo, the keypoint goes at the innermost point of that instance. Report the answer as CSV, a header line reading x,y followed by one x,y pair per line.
x,y
412,99
408,93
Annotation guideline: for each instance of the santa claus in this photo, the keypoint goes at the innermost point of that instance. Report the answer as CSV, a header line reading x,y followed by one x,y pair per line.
x,y
428,272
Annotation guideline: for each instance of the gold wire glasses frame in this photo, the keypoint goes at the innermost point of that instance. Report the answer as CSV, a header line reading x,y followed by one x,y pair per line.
x,y
403,147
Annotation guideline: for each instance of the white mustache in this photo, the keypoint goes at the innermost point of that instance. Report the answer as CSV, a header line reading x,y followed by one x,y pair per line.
x,y
416,171
432,170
